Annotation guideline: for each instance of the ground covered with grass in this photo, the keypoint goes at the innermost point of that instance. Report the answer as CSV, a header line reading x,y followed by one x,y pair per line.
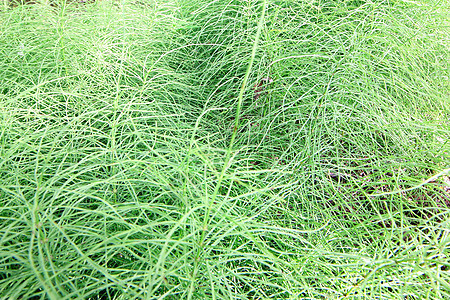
x,y
227,149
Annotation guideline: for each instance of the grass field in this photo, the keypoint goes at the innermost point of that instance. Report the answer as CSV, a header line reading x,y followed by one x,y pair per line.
x,y
226,149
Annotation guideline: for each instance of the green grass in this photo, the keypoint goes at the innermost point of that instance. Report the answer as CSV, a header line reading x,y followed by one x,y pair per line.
x,y
137,161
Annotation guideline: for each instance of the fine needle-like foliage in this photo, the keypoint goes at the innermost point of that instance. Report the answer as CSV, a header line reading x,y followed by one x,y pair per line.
x,y
226,149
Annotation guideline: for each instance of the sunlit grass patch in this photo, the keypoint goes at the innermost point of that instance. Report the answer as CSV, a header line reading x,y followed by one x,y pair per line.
x,y
202,150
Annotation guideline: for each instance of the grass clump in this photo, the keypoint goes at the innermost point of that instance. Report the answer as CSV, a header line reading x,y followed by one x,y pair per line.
x,y
142,156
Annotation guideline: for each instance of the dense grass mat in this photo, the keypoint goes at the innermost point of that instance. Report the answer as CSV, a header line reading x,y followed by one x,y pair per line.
x,y
225,150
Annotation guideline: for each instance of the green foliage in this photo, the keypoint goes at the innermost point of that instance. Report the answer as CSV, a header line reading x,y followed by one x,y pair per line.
x,y
142,156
